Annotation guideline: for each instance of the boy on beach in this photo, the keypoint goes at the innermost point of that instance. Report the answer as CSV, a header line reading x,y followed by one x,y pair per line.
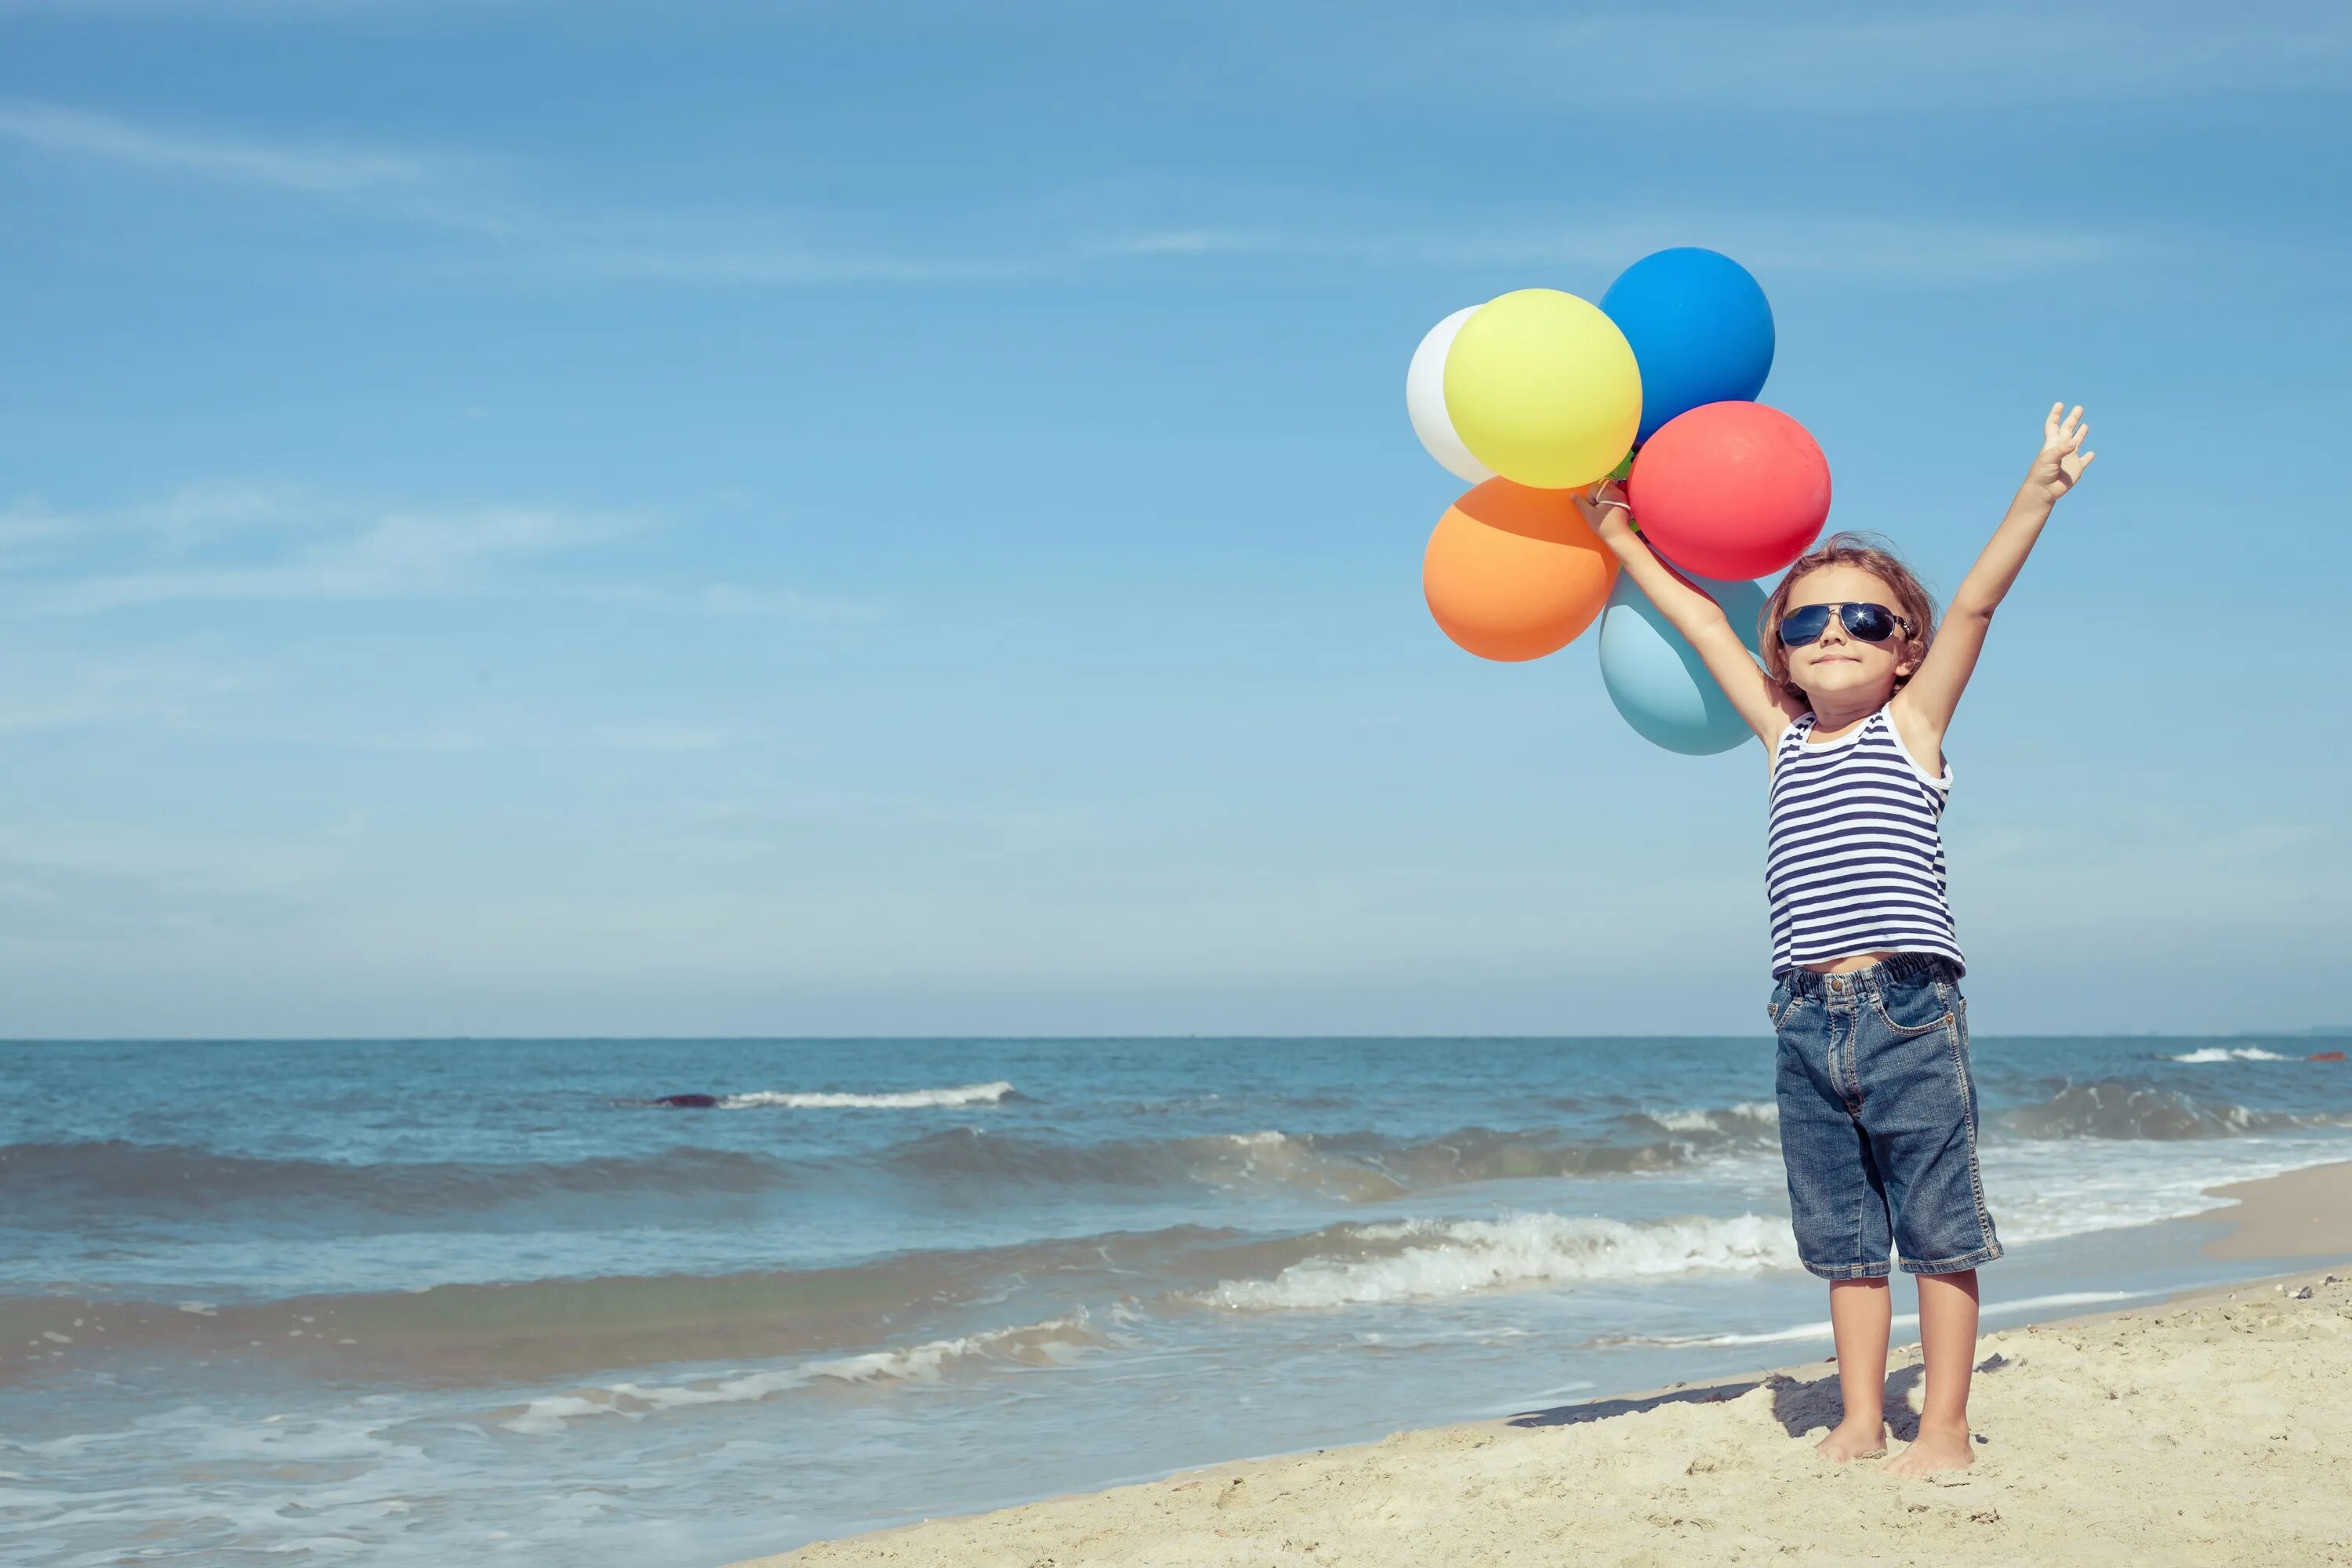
x,y
1877,1101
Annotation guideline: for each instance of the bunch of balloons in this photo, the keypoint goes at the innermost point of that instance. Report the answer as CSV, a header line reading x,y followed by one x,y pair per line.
x,y
1537,394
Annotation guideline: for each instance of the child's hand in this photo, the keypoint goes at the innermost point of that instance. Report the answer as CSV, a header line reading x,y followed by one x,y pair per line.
x,y
2061,458
1604,508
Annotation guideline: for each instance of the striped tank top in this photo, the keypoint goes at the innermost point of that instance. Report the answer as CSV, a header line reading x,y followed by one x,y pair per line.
x,y
1853,853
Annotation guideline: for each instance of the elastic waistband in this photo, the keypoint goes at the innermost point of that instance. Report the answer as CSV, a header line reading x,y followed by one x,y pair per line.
x,y
1898,969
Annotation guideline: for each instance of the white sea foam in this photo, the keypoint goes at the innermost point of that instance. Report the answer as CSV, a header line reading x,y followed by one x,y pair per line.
x,y
1452,1258
2230,1054
2041,1190
1822,1330
1746,1117
1055,1341
902,1099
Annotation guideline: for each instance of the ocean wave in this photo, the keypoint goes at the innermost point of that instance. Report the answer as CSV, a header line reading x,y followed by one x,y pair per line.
x,y
115,1179
965,1155
2131,1109
1055,1341
492,1332
899,1099
542,1328
116,1173
1487,1154
1429,1259
2230,1054
1748,1119
1355,1167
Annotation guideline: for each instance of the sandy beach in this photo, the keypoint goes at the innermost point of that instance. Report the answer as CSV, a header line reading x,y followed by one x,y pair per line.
x,y
2213,1428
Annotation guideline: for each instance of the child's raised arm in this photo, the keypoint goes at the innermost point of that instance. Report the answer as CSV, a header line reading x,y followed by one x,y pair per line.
x,y
1929,698
1698,618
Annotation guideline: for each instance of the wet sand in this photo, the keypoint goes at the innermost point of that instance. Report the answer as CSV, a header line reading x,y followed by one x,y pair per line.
x,y
2214,1428
2304,1213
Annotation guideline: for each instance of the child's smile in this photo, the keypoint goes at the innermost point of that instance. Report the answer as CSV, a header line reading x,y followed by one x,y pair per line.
x,y
1836,663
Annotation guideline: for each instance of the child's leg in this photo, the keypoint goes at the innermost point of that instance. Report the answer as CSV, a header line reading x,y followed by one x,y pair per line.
x,y
1860,1310
1837,1199
1921,1108
1948,1342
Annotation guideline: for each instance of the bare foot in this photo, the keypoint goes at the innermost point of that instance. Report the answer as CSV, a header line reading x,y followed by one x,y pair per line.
x,y
1935,1450
1850,1440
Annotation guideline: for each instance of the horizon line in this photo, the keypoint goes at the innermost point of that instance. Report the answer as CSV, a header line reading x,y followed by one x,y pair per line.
x,y
2310,1031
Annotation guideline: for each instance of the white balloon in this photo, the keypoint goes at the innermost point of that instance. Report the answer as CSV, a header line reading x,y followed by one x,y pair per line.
x,y
1424,400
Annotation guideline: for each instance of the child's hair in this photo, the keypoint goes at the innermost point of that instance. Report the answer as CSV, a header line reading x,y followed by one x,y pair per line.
x,y
1872,554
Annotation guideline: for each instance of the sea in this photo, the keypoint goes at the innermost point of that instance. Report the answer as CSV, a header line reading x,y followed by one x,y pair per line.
x,y
638,1304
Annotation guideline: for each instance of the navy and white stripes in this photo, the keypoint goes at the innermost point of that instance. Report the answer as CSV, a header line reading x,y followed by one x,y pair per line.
x,y
1854,857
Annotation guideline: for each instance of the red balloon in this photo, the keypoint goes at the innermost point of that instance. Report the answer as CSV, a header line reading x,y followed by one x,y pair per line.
x,y
1730,490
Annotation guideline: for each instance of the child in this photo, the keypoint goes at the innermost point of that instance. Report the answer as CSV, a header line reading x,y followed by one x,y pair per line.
x,y
1878,1117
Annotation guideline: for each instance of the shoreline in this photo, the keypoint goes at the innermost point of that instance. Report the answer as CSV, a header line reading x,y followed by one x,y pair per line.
x,y
1749,1484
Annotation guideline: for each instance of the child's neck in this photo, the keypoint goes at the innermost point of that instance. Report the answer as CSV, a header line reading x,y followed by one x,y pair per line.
x,y
1835,714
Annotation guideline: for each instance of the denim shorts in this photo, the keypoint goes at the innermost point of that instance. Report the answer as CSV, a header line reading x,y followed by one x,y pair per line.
x,y
1878,1120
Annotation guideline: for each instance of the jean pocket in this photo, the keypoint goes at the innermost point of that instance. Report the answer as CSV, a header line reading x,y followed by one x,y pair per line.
x,y
1912,1010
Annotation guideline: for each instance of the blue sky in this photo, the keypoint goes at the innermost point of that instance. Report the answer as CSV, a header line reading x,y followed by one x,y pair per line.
x,y
826,518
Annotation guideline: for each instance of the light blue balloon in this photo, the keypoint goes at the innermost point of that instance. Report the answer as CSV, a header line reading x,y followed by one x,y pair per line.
x,y
1657,680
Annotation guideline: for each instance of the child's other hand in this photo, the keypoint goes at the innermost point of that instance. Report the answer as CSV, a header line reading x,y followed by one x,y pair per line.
x,y
2061,458
1604,508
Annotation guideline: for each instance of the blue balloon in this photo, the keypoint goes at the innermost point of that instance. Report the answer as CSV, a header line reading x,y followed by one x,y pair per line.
x,y
1657,680
1701,330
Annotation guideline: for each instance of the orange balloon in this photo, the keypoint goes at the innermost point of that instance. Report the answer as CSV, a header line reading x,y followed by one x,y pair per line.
x,y
1514,572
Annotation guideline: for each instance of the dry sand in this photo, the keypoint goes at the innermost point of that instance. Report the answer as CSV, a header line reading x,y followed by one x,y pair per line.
x,y
2214,1429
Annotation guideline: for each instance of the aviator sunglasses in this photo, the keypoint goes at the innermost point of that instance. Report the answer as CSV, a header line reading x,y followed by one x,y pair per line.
x,y
1871,623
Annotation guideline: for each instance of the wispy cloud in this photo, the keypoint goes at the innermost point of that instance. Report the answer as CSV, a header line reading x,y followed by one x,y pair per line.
x,y
36,538
401,554
250,541
29,534
1884,249
1887,248
754,249
62,691
312,170
438,192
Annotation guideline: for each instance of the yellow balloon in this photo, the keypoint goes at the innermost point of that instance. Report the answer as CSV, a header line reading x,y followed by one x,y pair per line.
x,y
1543,389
